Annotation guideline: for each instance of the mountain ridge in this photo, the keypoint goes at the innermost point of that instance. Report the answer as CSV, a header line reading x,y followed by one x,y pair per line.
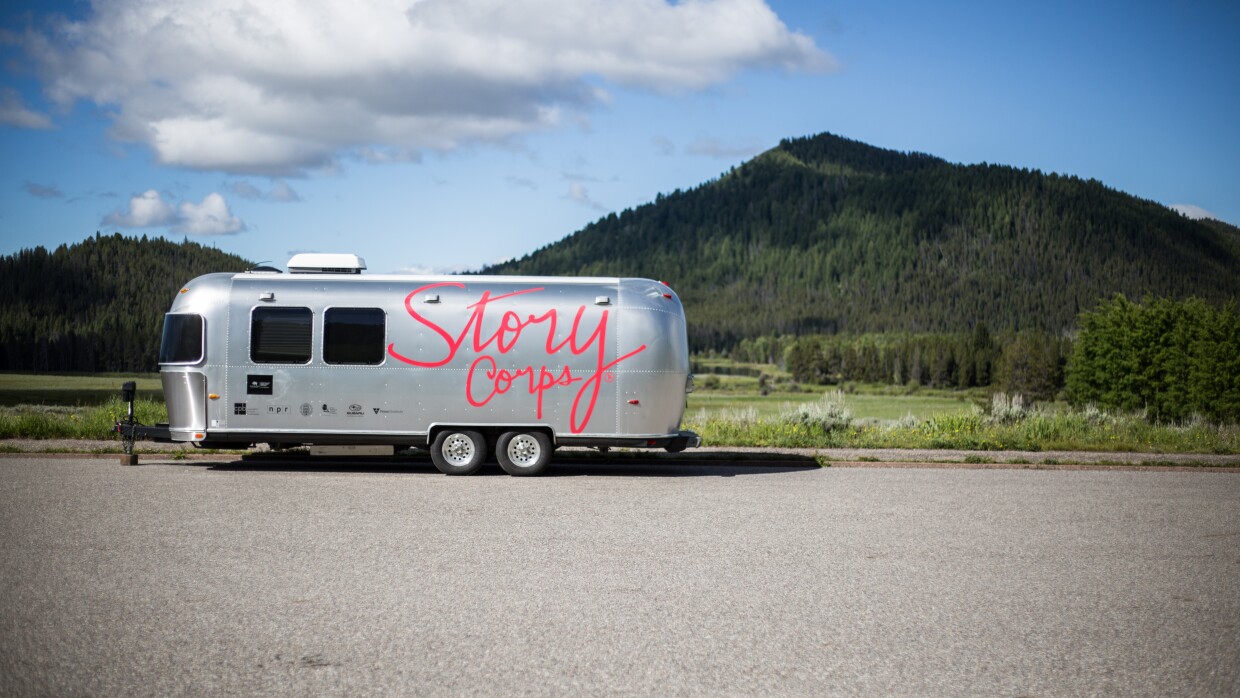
x,y
823,234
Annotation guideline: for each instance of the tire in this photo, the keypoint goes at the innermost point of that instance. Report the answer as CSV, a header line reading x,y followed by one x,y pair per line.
x,y
458,452
523,453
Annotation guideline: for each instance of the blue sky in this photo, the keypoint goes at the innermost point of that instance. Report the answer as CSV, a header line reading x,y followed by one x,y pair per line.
x,y
448,134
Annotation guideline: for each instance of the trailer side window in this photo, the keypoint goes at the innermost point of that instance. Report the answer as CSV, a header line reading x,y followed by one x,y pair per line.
x,y
280,335
182,339
354,335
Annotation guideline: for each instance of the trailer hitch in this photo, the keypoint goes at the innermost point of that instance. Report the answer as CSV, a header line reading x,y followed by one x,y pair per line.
x,y
125,427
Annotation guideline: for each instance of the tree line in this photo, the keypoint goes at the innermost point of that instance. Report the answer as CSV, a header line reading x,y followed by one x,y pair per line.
x,y
97,305
1174,359
1029,362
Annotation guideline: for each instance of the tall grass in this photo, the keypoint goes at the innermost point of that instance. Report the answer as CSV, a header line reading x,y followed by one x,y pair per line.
x,y
88,422
1009,424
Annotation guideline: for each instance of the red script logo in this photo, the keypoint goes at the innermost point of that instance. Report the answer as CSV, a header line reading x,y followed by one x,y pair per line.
x,y
536,379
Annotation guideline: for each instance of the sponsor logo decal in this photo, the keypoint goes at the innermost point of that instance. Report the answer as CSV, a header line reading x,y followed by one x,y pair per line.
x,y
239,408
355,410
307,409
277,409
258,385
328,409
380,410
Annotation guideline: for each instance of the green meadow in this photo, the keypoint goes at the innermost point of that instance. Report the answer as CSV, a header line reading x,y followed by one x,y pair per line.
x,y
741,405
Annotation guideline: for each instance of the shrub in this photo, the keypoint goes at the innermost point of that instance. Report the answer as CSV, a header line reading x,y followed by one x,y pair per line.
x,y
827,414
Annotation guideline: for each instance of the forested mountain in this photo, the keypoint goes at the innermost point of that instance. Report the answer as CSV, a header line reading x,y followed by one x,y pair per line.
x,y
818,235
97,305
825,235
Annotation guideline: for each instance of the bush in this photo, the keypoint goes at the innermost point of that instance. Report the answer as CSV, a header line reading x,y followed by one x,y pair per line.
x,y
1007,410
827,414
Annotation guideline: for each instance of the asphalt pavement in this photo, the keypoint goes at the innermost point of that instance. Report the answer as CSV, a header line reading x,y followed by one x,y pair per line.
x,y
193,577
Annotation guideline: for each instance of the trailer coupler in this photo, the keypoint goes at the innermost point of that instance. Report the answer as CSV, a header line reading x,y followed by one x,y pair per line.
x,y
131,430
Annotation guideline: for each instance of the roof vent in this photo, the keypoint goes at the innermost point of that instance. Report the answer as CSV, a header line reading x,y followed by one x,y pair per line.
x,y
317,263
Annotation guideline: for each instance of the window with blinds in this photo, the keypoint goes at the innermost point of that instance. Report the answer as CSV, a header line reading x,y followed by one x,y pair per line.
x,y
280,335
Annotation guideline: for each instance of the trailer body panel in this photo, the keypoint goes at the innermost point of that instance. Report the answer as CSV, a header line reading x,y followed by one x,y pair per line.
x,y
331,359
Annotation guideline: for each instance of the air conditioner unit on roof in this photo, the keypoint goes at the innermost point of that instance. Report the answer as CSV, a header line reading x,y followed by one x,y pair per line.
x,y
319,263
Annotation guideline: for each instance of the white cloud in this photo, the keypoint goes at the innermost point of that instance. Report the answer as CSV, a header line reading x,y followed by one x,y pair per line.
x,y
146,210
14,112
281,86
149,210
1194,212
577,192
280,191
211,217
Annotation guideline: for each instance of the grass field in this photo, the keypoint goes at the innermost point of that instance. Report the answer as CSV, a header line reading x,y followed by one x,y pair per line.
x,y
862,406
754,406
72,389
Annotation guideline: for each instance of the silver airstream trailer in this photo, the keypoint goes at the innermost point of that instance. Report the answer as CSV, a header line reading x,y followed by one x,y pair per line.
x,y
463,365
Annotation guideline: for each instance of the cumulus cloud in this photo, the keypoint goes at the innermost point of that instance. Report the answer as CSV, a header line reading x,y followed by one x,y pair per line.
x,y
149,210
14,112
146,210
1194,212
211,217
281,86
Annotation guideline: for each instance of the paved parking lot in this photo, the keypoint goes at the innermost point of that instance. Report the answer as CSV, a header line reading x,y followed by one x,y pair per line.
x,y
180,577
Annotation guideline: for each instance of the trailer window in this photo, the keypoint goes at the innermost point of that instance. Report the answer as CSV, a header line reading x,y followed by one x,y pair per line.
x,y
280,335
182,339
354,335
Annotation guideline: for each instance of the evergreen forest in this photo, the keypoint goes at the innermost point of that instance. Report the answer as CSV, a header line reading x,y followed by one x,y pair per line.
x,y
97,305
826,235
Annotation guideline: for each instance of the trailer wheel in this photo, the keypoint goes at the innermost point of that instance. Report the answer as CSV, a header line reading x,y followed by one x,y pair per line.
x,y
523,452
458,452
